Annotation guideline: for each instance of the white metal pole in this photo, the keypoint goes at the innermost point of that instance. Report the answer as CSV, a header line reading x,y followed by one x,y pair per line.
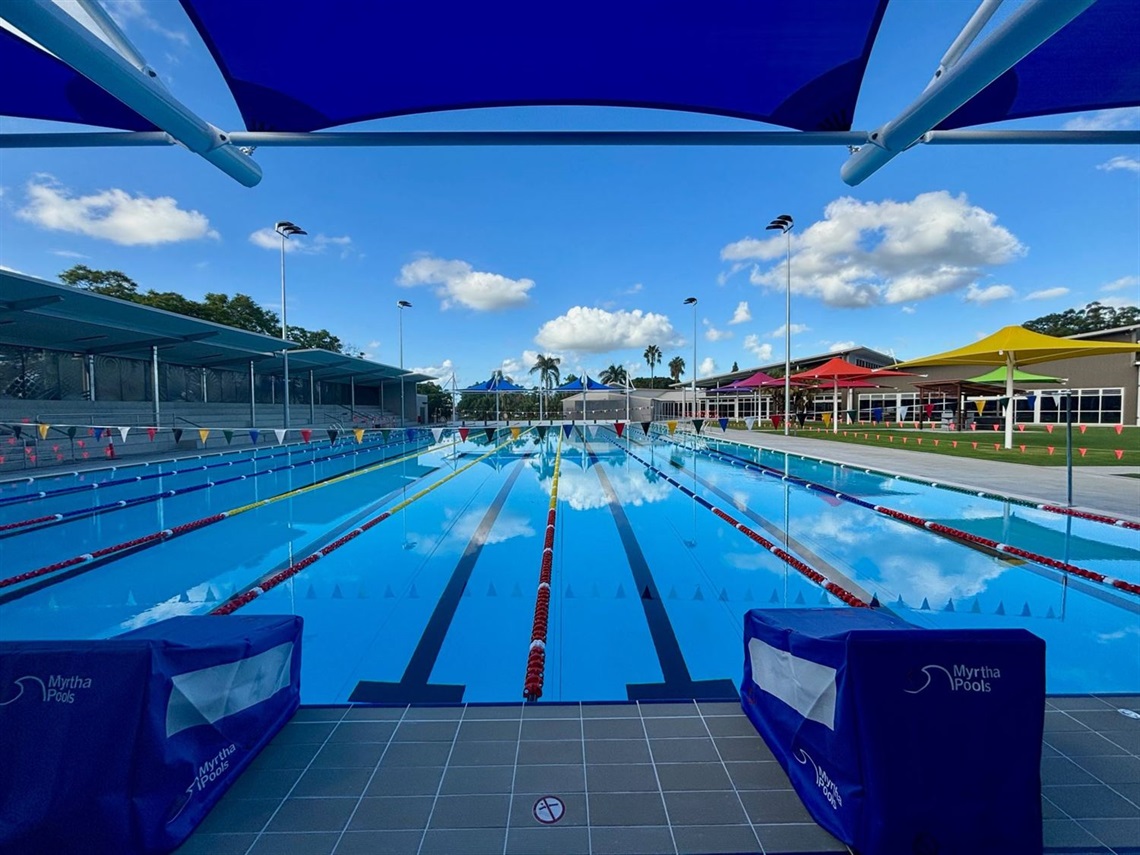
x,y
284,337
788,334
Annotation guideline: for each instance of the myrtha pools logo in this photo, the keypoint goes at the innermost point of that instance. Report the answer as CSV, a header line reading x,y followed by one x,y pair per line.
x,y
959,678
822,779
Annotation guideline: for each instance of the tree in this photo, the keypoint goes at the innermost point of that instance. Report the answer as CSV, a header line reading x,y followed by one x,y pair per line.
x,y
111,283
548,371
1093,317
735,367
676,368
321,338
438,401
615,375
653,357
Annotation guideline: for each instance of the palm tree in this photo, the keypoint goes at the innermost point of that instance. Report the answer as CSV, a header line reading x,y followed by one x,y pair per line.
x,y
548,373
615,375
676,368
653,357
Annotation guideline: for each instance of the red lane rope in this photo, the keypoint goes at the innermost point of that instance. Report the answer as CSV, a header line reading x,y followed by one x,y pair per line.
x,y
536,658
1085,515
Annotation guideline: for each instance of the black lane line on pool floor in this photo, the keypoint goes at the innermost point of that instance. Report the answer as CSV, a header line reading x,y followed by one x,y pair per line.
x,y
413,687
678,683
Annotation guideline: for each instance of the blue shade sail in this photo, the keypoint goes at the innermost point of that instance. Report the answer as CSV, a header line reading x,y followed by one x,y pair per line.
x,y
576,385
39,86
1092,64
296,66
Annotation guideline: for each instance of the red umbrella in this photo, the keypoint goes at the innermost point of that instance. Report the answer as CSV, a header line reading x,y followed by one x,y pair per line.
x,y
838,370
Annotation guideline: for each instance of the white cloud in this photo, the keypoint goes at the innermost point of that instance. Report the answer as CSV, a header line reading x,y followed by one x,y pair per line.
x,y
635,288
778,332
974,294
514,369
866,253
763,352
909,310
1120,302
67,253
372,345
1122,284
707,367
836,347
457,283
130,12
713,334
1105,120
1129,164
1047,294
742,313
593,330
267,238
113,215
442,371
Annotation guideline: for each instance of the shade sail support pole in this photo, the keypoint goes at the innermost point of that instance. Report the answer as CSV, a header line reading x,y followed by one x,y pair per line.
x,y
57,31
1010,367
1025,30
962,43
116,36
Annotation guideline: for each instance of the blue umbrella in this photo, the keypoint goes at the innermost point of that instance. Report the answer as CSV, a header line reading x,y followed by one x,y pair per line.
x,y
576,385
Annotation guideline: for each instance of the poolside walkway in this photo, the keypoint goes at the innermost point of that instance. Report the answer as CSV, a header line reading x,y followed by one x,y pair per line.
x,y
1102,489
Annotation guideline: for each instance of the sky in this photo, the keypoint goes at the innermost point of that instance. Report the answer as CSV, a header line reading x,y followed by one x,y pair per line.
x,y
588,253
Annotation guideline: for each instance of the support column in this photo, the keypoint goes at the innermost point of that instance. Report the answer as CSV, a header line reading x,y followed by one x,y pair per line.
x,y
154,380
91,377
252,397
205,398
312,401
352,397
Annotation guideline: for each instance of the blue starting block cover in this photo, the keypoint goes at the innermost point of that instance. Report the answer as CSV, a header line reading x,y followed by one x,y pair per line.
x,y
124,745
902,739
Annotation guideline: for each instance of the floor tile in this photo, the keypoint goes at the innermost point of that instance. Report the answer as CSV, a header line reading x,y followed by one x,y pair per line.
x,y
216,844
626,809
239,815
762,775
374,714
523,810
499,753
705,808
349,755
719,708
1050,810
485,731
484,811
466,841
404,842
631,841
426,731
263,784
1128,739
743,748
792,837
391,813
1080,702
406,781
434,714
295,844
730,726
616,751
533,711
1065,832
317,714
1062,770
552,780
1113,769
473,780
1095,802
304,733
684,751
363,731
615,778
548,840
613,728
284,757
693,776
332,782
1114,832
702,839
549,753
511,712
1086,744
652,710
774,806
662,728
551,729
1057,721
313,815
1106,719
610,711
416,754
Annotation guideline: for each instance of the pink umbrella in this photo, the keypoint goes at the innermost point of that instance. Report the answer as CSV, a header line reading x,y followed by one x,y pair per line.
x,y
839,370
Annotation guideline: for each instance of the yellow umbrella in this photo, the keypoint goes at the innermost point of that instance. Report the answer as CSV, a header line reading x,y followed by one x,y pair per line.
x,y
1015,346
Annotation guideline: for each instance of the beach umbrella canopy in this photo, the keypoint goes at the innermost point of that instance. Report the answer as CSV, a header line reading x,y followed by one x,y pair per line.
x,y
757,380
838,371
1015,346
1019,376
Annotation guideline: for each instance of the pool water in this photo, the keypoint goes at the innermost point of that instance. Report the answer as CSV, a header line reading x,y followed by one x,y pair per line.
x,y
649,586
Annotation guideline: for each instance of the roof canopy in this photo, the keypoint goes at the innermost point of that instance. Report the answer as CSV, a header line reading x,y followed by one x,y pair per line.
x,y
495,384
320,65
1016,345
590,385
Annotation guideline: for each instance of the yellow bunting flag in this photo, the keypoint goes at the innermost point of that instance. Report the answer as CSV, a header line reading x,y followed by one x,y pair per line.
x,y
515,431
672,427
43,429
359,434
981,405
827,419
203,434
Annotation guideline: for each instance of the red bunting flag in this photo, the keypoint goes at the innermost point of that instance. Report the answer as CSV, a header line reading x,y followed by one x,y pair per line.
x,y
1021,427
1082,451
463,434
1022,447
1119,452
1083,428
620,428
150,432
306,434
1051,448
975,445
997,427
953,443
936,443
1049,428
1118,429
997,446
918,439
973,425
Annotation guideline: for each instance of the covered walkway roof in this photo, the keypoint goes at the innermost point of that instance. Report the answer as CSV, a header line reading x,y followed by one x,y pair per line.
x,y
41,314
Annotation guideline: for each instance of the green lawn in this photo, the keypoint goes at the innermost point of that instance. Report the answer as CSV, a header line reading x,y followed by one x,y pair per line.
x,y
1100,442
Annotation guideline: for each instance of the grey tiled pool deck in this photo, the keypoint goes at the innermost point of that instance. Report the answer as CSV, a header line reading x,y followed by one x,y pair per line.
x,y
656,778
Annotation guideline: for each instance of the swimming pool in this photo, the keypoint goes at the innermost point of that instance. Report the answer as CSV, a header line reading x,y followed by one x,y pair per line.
x,y
431,549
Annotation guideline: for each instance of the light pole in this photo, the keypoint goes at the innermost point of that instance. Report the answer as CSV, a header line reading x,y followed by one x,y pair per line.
x,y
286,229
692,301
784,223
402,304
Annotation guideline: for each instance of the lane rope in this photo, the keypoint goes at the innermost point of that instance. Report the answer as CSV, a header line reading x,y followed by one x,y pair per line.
x,y
536,658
